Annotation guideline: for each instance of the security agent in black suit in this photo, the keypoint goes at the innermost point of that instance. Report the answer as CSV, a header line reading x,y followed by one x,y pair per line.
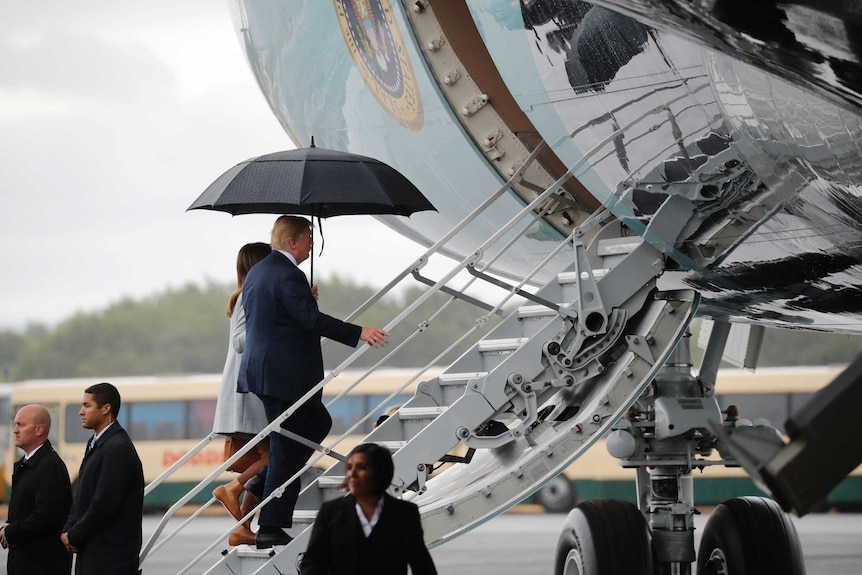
x,y
368,531
282,360
40,500
104,524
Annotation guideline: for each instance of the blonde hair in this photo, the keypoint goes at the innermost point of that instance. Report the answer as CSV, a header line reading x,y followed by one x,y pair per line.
x,y
288,228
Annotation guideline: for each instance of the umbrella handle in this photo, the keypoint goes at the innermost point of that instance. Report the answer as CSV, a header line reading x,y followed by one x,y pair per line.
x,y
322,243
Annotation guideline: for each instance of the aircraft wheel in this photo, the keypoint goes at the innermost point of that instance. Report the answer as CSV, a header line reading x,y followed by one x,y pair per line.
x,y
558,495
604,537
749,535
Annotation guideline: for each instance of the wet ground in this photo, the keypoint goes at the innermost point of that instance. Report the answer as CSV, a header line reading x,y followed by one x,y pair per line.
x,y
521,544
524,544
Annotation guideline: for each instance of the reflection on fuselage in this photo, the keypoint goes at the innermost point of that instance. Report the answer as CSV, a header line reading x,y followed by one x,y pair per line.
x,y
770,172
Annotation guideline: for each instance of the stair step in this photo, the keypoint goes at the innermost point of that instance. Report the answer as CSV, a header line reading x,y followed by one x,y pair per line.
x,y
567,278
535,311
617,246
569,283
392,446
460,378
252,553
453,385
330,481
501,345
492,352
533,318
416,419
406,413
304,516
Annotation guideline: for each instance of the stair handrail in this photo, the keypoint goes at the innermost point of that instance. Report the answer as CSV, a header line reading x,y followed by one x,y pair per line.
x,y
422,260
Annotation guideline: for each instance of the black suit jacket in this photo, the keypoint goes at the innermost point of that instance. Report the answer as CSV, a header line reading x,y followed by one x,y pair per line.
x,y
282,356
105,521
38,507
339,547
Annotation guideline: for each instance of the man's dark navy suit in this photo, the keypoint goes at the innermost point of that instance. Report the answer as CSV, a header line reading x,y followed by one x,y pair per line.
x,y
281,361
105,520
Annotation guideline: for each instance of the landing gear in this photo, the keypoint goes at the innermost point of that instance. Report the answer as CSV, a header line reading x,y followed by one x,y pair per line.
x,y
749,535
604,537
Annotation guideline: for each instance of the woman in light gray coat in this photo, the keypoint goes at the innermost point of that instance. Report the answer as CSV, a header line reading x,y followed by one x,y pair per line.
x,y
240,416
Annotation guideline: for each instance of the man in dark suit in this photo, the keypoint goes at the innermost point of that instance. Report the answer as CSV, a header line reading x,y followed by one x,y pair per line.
x,y
40,501
282,360
104,524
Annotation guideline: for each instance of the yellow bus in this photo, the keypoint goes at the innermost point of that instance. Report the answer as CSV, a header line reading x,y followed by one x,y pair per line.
x,y
768,393
166,416
6,417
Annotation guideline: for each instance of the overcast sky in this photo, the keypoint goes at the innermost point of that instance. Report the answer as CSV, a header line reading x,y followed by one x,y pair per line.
x,y
114,117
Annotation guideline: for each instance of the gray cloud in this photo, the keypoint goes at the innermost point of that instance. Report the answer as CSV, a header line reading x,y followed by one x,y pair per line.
x,y
67,64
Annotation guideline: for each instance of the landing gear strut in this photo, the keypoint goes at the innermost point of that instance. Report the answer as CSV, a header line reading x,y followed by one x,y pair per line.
x,y
665,436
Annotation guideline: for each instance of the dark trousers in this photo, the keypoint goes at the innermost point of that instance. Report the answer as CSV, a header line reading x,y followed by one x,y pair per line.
x,y
286,456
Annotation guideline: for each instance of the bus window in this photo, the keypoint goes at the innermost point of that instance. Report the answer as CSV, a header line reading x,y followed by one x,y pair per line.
x,y
156,420
74,432
347,411
201,417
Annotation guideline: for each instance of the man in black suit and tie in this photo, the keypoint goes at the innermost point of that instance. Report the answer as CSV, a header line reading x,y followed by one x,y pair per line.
x,y
104,525
40,501
282,360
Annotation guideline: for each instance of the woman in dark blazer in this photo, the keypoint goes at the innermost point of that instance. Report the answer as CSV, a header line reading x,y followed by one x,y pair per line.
x,y
368,531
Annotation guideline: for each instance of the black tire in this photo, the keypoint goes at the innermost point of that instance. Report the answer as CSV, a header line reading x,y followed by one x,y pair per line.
x,y
557,495
749,536
604,537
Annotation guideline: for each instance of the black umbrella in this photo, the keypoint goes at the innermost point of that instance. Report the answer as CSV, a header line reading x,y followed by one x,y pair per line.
x,y
313,181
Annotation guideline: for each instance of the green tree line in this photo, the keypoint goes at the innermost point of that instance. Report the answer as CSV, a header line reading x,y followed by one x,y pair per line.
x,y
185,330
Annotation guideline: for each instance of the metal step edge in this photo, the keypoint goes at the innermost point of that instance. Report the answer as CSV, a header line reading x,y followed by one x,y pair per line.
x,y
618,246
508,344
250,552
532,311
460,378
572,277
406,413
330,481
304,516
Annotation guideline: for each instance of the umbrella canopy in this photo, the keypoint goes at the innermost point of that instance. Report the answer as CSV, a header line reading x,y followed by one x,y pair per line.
x,y
313,181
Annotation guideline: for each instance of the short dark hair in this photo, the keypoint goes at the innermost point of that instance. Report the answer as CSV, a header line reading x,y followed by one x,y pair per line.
x,y
105,393
381,462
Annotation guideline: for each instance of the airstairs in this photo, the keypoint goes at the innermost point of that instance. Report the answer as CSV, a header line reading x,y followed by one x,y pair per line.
x,y
518,407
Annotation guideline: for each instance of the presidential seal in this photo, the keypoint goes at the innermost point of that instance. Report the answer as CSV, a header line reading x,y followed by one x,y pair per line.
x,y
378,51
